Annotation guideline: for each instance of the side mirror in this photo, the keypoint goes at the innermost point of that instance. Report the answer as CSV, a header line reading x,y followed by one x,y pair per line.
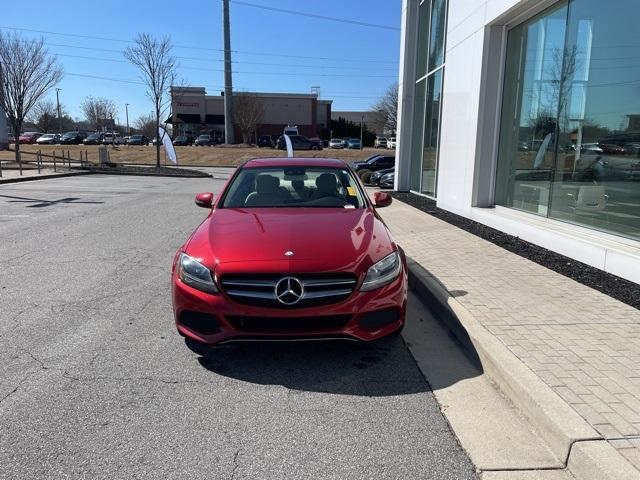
x,y
204,200
382,199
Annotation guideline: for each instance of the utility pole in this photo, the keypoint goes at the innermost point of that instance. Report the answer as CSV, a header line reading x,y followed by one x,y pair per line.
x,y
126,109
361,128
228,88
59,116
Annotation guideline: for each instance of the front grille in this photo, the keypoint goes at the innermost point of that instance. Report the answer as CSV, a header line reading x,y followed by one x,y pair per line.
x,y
288,324
260,290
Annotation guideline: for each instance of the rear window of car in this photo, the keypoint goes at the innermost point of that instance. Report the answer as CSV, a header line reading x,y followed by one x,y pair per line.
x,y
294,186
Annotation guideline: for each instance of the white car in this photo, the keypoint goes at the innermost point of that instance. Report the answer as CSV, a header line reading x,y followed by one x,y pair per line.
x,y
391,143
112,138
381,142
48,139
336,143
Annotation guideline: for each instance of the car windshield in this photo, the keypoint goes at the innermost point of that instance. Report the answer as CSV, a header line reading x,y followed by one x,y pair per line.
x,y
295,186
204,137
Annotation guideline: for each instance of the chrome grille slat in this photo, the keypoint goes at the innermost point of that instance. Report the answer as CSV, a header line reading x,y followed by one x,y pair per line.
x,y
327,283
250,283
253,294
325,293
259,289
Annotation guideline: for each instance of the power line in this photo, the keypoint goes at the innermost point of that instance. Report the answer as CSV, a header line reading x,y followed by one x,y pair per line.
x,y
214,87
312,15
241,62
204,69
189,47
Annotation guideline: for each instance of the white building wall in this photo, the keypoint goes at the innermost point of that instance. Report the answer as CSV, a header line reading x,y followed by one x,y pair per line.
x,y
468,137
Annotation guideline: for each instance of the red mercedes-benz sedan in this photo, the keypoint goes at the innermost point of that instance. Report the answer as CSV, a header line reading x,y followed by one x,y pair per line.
x,y
291,249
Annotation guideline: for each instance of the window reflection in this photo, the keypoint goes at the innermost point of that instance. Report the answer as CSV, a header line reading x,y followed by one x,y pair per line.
x,y
570,131
431,133
426,122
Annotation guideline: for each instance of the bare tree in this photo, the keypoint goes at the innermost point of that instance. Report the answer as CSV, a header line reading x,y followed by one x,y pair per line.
x,y
158,67
247,114
387,107
27,73
146,124
98,111
45,115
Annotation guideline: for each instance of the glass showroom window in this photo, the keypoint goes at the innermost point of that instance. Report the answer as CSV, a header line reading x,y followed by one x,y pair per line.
x,y
432,16
570,129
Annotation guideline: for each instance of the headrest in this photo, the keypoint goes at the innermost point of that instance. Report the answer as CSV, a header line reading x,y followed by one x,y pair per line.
x,y
266,184
327,183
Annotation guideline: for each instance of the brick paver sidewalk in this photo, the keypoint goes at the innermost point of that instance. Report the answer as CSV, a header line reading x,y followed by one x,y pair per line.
x,y
582,343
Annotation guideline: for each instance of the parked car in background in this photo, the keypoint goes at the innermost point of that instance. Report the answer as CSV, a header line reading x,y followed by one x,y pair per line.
x,y
94,139
204,140
48,139
391,143
354,144
381,142
298,142
138,140
291,130
377,175
316,143
182,141
29,137
387,180
112,138
73,138
336,143
265,141
375,163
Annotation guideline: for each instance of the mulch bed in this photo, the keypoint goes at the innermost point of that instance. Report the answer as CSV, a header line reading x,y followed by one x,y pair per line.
x,y
619,288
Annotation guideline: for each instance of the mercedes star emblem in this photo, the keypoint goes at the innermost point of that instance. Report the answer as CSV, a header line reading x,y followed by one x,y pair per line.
x,y
289,290
288,253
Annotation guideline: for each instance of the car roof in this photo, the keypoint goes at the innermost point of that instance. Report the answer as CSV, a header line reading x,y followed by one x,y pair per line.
x,y
296,161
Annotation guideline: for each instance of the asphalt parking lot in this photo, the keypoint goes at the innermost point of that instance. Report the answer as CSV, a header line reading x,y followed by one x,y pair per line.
x,y
96,383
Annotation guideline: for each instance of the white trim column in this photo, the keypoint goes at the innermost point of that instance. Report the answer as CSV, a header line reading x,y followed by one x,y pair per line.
x,y
406,92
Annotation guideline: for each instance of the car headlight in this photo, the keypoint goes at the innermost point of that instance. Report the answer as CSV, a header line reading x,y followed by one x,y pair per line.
x,y
382,272
194,274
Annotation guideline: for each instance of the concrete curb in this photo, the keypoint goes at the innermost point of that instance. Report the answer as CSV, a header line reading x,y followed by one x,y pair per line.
x,y
561,427
41,177
140,174
599,459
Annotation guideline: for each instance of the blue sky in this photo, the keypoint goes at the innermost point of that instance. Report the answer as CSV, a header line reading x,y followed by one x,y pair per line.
x,y
352,64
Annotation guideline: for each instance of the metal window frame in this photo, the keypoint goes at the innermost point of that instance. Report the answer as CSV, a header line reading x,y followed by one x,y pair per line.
x,y
424,79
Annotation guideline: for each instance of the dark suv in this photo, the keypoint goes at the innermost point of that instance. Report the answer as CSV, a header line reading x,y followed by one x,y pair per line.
x,y
73,138
94,139
265,141
374,163
138,140
298,142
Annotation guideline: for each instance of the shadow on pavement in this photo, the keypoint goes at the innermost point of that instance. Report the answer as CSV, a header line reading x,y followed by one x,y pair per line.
x,y
377,369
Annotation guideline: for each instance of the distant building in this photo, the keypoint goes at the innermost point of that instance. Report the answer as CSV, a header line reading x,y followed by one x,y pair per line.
x,y
634,122
373,120
195,112
4,142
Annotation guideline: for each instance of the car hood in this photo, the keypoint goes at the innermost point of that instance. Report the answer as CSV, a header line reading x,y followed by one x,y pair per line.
x,y
321,239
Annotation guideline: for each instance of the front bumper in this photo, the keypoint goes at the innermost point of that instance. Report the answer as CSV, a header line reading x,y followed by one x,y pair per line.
x,y
215,318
